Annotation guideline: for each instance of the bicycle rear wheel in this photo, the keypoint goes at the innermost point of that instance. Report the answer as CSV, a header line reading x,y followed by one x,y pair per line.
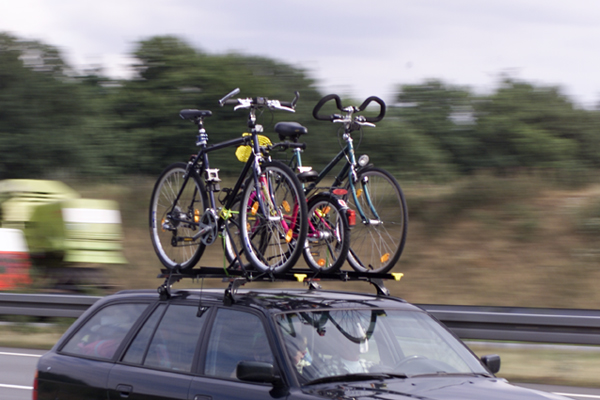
x,y
328,237
174,222
273,235
377,242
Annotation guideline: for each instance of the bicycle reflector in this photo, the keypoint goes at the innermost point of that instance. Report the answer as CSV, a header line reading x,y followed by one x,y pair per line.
x,y
351,214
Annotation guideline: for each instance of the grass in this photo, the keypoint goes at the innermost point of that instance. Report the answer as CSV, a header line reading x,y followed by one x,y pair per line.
x,y
519,241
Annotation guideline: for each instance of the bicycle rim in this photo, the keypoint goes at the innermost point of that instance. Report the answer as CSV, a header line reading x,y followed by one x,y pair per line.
x,y
272,233
174,223
376,246
328,237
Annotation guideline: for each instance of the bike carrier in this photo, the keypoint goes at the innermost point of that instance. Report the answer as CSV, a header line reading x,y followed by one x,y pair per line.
x,y
237,278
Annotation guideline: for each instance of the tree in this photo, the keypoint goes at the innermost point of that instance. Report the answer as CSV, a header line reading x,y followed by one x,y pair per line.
x,y
443,113
40,110
526,126
172,76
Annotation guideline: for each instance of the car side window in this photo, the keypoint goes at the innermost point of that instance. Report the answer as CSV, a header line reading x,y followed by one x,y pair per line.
x,y
102,334
172,343
235,336
137,349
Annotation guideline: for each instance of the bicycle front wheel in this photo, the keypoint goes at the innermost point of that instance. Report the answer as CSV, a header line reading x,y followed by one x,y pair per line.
x,y
273,219
328,235
377,240
176,208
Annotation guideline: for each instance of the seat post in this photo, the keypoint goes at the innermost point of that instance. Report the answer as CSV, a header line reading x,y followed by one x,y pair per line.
x,y
202,139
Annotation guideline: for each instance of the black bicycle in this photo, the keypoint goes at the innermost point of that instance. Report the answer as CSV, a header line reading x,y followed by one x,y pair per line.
x,y
184,216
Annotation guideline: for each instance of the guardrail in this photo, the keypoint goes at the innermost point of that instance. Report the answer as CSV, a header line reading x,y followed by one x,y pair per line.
x,y
542,325
45,305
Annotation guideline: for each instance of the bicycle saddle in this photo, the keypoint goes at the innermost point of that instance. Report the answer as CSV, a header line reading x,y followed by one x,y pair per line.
x,y
290,130
194,114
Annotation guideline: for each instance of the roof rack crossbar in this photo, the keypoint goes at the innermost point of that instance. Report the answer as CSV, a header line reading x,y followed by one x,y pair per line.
x,y
238,277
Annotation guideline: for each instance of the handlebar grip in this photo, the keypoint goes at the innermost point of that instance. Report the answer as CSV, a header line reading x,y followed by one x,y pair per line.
x,y
381,108
231,102
321,103
228,96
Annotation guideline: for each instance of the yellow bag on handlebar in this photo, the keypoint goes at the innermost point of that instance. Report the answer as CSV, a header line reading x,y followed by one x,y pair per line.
x,y
243,152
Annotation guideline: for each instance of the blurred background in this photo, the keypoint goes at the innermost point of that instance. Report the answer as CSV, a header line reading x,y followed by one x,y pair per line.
x,y
491,130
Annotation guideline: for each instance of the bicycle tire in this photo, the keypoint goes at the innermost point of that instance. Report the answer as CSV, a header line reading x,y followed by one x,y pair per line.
x,y
377,246
273,240
328,237
170,237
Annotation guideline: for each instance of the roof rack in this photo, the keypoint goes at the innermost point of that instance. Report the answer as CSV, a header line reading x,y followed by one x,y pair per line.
x,y
237,278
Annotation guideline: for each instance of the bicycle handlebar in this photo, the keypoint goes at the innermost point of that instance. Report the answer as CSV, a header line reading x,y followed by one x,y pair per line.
x,y
259,102
228,96
351,109
321,103
370,100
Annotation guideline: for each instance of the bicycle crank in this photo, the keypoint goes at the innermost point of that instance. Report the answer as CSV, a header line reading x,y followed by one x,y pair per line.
x,y
209,227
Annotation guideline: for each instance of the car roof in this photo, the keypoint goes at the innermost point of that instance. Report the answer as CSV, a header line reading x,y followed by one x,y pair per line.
x,y
278,300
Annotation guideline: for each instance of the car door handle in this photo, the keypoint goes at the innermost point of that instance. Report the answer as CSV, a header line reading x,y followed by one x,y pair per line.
x,y
202,397
124,390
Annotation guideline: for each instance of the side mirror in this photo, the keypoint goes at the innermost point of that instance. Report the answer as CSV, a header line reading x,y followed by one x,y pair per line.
x,y
254,371
492,362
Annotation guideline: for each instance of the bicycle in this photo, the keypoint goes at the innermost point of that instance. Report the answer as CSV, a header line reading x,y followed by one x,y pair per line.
x,y
184,216
329,218
377,239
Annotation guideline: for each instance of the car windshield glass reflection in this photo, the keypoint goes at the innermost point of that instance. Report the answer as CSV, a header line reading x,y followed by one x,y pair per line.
x,y
335,343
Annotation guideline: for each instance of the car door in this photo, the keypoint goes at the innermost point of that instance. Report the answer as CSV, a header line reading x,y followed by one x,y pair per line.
x,y
80,368
158,363
235,335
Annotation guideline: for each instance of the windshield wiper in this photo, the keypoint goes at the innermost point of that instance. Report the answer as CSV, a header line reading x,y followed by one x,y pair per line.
x,y
355,377
442,373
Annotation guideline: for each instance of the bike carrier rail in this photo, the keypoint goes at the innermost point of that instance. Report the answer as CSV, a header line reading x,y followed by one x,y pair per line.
x,y
237,278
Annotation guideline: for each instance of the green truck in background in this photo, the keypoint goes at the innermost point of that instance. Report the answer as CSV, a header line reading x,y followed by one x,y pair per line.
x,y
70,239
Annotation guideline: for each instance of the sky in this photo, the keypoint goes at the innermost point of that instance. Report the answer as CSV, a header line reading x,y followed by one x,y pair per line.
x,y
354,48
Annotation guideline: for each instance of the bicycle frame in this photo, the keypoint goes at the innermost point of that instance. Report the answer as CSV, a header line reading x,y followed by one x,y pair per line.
x,y
348,171
200,164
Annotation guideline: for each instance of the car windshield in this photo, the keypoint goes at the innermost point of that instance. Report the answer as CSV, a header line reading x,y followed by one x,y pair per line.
x,y
326,345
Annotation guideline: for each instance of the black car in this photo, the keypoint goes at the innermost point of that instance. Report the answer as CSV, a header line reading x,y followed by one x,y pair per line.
x,y
265,344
